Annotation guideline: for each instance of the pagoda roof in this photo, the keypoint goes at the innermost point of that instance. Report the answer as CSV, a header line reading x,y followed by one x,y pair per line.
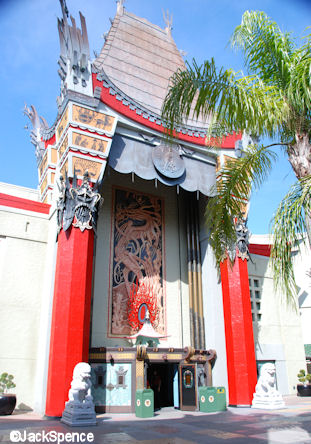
x,y
139,58
131,76
147,331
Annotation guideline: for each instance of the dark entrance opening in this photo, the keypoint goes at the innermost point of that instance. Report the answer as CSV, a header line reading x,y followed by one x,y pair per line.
x,y
160,378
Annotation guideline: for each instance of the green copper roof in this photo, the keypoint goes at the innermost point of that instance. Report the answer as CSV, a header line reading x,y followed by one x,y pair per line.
x,y
308,350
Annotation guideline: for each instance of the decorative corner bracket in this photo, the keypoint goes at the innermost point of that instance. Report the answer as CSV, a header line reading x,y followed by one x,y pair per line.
x,y
77,205
242,241
239,248
39,125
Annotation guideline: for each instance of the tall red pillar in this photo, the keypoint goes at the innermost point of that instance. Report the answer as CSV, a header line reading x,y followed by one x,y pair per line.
x,y
241,360
70,329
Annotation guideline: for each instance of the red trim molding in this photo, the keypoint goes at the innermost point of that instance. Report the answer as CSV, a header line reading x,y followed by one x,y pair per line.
x,y
24,204
241,360
70,329
50,141
260,249
118,105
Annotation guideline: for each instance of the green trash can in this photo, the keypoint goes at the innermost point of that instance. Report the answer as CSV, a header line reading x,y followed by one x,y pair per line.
x,y
144,403
221,399
212,399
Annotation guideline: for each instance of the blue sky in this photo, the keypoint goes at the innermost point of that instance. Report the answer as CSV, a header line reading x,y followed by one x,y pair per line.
x,y
30,48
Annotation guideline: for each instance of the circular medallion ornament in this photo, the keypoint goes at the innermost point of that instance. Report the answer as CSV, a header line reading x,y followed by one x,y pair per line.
x,y
211,398
147,403
138,402
202,399
142,311
167,161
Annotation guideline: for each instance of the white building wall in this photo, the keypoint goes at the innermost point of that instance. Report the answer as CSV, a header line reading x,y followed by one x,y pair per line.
x,y
18,191
23,237
278,334
302,269
43,349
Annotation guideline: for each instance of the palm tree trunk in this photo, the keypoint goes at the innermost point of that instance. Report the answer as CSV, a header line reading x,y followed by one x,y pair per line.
x,y
299,156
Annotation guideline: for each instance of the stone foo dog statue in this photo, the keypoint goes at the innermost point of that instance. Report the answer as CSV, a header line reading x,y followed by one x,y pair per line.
x,y
266,395
79,409
266,384
80,391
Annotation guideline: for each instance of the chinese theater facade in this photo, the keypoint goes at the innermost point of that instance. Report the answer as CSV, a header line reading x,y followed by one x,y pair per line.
x,y
127,245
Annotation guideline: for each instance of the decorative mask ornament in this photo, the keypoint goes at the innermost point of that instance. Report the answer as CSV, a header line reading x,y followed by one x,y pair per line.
x,y
242,241
77,205
239,248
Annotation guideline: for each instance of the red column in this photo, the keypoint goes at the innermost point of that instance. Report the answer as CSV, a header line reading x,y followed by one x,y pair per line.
x,y
70,329
241,360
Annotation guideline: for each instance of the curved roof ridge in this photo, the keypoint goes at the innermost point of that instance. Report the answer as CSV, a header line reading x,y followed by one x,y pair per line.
x,y
140,57
140,108
145,21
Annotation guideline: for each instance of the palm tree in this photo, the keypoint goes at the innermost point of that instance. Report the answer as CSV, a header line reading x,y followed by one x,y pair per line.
x,y
273,100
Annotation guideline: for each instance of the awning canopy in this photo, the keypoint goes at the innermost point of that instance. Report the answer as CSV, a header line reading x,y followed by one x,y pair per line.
x,y
128,155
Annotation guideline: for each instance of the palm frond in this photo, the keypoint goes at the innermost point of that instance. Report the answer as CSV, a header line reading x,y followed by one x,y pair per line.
x,y
288,227
267,50
299,88
233,186
235,102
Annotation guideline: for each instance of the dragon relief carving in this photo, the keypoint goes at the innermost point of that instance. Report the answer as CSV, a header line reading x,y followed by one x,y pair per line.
x,y
137,257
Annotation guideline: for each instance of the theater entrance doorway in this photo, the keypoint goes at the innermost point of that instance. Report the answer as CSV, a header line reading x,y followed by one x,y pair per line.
x,y
163,379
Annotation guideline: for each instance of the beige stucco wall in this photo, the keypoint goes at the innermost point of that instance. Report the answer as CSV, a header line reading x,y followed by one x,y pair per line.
x,y
23,237
177,303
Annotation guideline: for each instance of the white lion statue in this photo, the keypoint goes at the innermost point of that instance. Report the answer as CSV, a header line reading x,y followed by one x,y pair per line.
x,y
80,391
266,395
266,385
79,409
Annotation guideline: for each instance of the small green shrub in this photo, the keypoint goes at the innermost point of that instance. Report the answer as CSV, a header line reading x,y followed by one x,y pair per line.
x,y
304,377
6,382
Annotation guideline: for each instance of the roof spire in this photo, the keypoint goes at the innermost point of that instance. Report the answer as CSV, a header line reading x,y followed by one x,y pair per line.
x,y
64,9
74,58
168,20
120,6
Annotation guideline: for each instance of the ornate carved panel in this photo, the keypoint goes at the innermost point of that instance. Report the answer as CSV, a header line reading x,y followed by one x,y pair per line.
x,y
80,165
43,164
64,169
43,185
63,147
137,256
92,143
112,384
92,118
53,155
62,124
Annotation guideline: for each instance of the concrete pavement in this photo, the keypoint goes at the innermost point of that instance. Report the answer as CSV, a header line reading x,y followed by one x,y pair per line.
x,y
291,425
